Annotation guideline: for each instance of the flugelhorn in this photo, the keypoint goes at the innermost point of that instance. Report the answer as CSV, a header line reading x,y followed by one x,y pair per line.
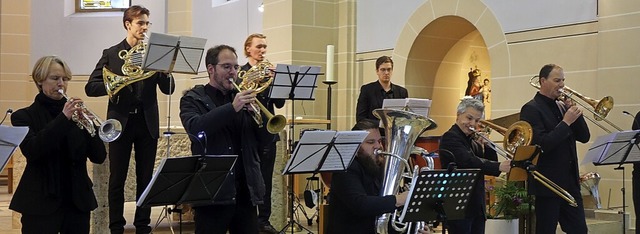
x,y
258,78
536,175
599,108
109,130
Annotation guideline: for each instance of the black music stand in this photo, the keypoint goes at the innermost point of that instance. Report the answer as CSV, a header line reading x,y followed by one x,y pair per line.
x,y
439,195
321,151
10,139
186,180
616,148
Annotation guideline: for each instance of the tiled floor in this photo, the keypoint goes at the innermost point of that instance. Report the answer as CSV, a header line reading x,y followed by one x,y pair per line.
x,y
156,213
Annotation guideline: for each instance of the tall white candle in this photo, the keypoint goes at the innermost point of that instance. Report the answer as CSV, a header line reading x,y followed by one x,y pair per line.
x,y
329,67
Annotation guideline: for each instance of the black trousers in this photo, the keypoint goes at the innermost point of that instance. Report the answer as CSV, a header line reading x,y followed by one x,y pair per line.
x,y
473,225
238,218
266,166
635,182
136,133
67,219
551,210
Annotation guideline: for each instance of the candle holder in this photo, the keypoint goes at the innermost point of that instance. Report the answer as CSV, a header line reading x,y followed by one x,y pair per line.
x,y
329,83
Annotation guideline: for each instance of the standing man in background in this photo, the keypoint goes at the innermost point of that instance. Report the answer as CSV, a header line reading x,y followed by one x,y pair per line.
x,y
136,107
255,47
372,94
557,125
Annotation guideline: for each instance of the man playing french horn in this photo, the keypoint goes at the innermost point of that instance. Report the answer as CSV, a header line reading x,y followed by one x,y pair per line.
x,y
135,105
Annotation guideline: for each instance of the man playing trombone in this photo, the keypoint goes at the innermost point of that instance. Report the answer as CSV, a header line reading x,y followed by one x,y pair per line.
x,y
557,125
461,145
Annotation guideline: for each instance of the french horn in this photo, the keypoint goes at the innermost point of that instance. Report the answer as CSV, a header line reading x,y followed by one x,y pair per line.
x,y
131,70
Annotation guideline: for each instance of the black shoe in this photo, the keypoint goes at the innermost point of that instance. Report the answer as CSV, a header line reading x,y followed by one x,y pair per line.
x,y
267,229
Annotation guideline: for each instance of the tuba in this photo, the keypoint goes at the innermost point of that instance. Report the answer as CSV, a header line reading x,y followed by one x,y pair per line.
x,y
259,78
109,130
402,129
131,70
589,182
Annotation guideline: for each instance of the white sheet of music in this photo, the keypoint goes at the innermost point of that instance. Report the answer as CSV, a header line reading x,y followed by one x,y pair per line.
x,y
347,143
305,86
314,144
159,52
611,148
416,105
10,139
189,55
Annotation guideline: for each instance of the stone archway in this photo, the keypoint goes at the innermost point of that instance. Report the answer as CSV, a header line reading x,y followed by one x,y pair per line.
x,y
441,41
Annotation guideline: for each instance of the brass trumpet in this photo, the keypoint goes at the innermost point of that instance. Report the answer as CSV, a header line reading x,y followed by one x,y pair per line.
x,y
109,130
259,78
599,108
536,175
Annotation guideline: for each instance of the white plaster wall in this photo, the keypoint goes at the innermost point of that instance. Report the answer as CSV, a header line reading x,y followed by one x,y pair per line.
x,y
379,22
79,38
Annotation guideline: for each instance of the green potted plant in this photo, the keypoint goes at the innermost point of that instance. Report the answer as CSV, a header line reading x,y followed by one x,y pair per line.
x,y
512,203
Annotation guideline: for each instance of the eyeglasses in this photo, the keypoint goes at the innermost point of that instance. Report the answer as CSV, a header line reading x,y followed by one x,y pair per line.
x,y
386,69
228,66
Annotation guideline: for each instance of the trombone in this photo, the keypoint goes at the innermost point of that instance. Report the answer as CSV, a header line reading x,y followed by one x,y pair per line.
x,y
536,175
599,108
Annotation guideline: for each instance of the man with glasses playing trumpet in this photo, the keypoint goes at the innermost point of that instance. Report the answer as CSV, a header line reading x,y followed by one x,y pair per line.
x,y
223,115
556,125
55,192
135,104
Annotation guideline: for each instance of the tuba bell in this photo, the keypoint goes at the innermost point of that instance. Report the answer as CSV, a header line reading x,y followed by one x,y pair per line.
x,y
402,129
131,70
589,182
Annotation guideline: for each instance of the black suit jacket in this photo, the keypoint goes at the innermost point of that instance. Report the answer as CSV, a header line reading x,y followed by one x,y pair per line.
x,y
56,151
468,154
355,201
371,97
126,100
558,160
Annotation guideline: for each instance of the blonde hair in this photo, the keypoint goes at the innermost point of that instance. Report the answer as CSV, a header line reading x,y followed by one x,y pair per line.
x,y
42,67
249,40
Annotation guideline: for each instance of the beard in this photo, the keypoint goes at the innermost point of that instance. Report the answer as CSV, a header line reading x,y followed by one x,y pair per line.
x,y
370,165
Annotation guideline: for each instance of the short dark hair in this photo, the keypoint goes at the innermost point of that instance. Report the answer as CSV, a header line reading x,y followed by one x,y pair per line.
x,y
213,52
383,59
546,70
365,124
132,12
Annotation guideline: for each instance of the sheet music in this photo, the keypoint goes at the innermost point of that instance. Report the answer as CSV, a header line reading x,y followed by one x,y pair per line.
x,y
189,55
415,105
314,144
347,143
10,139
305,86
611,148
159,52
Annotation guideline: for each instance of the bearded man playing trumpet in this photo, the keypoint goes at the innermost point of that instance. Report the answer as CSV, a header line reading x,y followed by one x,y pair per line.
x,y
55,193
460,146
135,105
556,125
